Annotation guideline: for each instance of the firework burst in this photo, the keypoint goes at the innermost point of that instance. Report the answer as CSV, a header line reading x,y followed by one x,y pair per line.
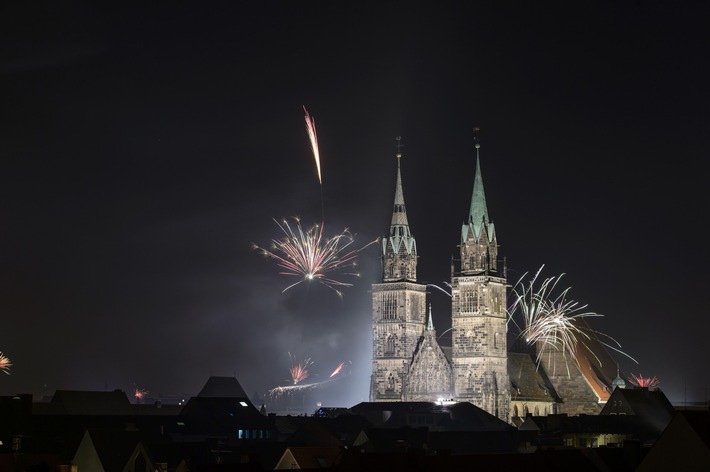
x,y
641,381
139,393
310,256
5,364
553,322
299,370
313,137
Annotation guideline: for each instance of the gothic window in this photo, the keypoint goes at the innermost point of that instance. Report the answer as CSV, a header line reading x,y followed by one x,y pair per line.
x,y
389,306
469,299
515,410
526,412
537,412
389,345
469,380
390,382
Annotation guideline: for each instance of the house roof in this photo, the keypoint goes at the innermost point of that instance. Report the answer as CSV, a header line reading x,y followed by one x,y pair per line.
x,y
77,402
595,362
460,416
528,382
221,415
684,444
310,457
223,387
339,431
113,447
652,406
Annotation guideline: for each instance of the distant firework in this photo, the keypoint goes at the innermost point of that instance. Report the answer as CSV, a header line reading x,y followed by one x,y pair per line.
x,y
311,257
5,364
549,320
139,393
299,371
313,137
641,381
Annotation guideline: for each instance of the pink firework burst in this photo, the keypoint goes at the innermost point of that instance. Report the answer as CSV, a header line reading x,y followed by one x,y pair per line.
x,y
310,256
139,393
641,381
5,364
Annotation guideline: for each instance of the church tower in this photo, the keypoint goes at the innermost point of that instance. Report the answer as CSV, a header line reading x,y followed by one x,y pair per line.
x,y
479,351
398,305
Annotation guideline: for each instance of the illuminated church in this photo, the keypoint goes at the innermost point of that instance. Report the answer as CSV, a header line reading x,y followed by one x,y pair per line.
x,y
409,364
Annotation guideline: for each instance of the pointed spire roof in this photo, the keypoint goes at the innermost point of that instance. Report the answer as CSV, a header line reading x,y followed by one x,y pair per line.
x,y
399,215
478,213
430,321
399,228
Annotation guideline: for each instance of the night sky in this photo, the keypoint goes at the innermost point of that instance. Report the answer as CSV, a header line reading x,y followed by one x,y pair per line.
x,y
142,152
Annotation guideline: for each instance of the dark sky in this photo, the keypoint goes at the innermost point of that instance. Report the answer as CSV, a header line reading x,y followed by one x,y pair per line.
x,y
143,151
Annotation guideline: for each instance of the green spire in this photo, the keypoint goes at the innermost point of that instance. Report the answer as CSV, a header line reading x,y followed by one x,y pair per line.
x,y
478,213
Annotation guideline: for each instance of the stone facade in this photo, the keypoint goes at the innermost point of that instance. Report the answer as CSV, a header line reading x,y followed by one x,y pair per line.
x,y
408,364
429,377
398,320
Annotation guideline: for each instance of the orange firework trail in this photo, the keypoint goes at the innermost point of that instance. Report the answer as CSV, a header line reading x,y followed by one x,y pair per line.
x,y
313,137
338,369
310,256
5,363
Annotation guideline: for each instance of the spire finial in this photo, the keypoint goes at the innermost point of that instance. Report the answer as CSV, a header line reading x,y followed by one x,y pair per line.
x,y
430,321
399,146
477,137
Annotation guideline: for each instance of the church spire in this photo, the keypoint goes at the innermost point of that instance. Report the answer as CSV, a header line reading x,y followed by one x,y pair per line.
x,y
430,321
478,239
400,225
399,250
478,214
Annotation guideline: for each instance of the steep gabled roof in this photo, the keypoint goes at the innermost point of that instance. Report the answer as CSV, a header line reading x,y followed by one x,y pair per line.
x,y
683,445
528,382
595,362
222,387
308,458
651,406
113,448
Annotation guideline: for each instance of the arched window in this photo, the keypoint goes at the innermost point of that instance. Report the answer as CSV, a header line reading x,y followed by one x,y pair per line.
x,y
390,382
526,412
390,344
515,410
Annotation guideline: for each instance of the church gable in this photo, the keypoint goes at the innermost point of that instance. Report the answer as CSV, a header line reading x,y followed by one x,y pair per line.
x,y
430,371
